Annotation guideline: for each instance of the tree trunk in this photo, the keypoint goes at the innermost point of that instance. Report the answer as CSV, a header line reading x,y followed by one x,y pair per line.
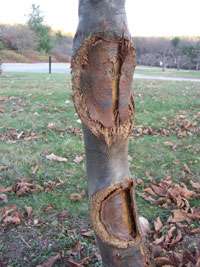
x,y
164,63
102,70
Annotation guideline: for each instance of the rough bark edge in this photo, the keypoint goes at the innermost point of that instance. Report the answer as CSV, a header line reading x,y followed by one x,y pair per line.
x,y
112,134
100,230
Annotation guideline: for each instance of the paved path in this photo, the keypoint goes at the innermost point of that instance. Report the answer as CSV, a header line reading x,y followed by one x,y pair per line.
x,y
65,68
36,67
162,78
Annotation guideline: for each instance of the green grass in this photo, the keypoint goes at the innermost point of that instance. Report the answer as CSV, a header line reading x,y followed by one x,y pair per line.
x,y
155,71
39,99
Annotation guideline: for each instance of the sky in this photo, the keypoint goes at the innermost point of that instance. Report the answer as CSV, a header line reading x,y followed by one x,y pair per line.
x,y
145,17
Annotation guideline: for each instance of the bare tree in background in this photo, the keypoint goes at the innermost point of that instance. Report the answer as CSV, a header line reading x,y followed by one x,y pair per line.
x,y
102,70
176,51
18,37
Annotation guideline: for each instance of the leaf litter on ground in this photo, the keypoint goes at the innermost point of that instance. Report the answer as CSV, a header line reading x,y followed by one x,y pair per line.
x,y
168,237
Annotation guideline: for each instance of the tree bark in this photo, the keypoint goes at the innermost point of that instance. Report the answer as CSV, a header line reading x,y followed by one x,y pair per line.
x,y
102,70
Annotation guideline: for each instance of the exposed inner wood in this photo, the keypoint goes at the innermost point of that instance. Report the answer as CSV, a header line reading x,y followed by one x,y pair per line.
x,y
102,79
117,215
114,216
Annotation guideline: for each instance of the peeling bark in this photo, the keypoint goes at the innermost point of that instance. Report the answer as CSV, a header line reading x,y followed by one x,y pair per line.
x,y
102,77
120,229
102,71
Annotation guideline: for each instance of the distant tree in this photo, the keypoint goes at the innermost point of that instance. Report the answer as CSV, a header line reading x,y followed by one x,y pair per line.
x,y
1,45
151,51
17,37
193,53
62,46
163,50
175,42
36,23
176,51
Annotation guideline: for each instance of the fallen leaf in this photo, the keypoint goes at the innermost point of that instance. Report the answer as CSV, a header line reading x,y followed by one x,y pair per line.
x,y
177,239
53,157
50,185
4,98
150,191
147,198
51,261
28,211
139,181
75,197
10,215
24,187
3,168
78,159
178,216
31,136
182,203
3,198
51,125
195,214
170,144
5,189
195,231
195,185
158,225
185,192
173,237
160,191
170,234
63,215
186,169
88,233
159,240
161,261
48,208
177,191
35,169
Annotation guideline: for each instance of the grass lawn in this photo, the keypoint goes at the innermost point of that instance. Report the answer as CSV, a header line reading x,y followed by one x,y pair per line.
x,y
154,71
37,118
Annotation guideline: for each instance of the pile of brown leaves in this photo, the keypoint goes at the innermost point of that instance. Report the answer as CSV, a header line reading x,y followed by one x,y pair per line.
x,y
10,215
175,241
180,126
24,187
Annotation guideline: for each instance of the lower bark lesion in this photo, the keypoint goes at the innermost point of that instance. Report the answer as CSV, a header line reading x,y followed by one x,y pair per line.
x,y
114,215
102,78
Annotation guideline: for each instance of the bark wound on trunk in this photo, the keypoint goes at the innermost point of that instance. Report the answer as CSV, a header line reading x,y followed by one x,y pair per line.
x,y
120,229
102,77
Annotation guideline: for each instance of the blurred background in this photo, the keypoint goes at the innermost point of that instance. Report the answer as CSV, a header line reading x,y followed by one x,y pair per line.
x,y
166,33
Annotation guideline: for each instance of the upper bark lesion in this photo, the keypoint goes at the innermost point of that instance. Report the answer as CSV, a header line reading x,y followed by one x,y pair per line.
x,y
102,80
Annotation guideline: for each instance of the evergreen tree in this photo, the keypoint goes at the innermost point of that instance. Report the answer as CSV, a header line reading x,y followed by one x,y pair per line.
x,y
36,23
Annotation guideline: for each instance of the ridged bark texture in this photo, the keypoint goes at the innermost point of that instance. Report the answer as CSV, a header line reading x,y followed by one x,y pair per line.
x,y
102,71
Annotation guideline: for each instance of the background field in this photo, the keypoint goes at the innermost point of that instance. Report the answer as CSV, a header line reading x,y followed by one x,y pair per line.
x,y
37,118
